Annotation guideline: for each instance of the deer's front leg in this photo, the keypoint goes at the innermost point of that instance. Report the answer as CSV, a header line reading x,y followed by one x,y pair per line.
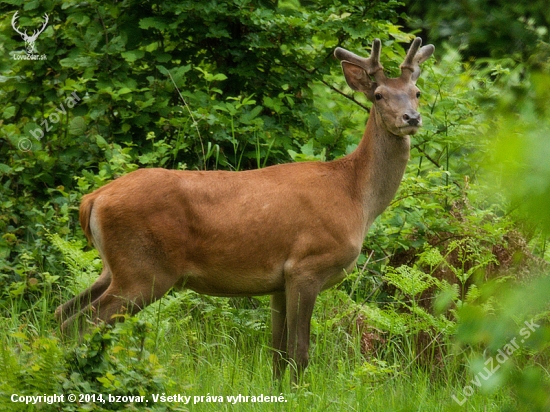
x,y
300,299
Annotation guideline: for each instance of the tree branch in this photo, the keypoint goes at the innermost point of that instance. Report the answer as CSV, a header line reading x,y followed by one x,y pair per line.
x,y
346,96
310,72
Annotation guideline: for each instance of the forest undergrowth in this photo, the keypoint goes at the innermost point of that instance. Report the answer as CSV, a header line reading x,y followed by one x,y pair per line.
x,y
446,309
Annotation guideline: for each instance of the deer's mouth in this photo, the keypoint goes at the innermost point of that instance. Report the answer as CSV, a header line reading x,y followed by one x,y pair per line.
x,y
406,130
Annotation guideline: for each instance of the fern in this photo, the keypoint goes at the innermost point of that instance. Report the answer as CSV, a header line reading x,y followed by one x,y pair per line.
x,y
431,257
83,266
9,375
410,280
472,257
387,319
29,366
45,366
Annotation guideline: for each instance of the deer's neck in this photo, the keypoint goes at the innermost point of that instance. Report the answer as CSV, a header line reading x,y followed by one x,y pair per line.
x,y
378,165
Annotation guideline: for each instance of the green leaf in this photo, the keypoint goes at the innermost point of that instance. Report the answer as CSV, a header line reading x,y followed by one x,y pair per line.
x,y
163,57
250,116
9,112
80,19
101,142
77,126
5,169
133,55
162,69
152,22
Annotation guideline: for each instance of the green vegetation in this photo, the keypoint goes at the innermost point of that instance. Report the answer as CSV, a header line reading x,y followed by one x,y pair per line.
x,y
449,274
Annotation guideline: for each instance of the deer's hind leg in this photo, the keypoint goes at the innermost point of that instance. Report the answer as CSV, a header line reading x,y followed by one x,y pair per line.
x,y
127,293
83,299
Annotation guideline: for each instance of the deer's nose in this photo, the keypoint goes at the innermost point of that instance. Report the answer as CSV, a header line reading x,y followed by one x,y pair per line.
x,y
412,119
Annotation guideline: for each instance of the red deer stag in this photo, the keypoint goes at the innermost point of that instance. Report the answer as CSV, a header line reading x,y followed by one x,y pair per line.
x,y
289,231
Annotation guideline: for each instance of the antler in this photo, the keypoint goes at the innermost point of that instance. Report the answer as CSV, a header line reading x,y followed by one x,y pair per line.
x,y
371,65
410,68
14,22
35,34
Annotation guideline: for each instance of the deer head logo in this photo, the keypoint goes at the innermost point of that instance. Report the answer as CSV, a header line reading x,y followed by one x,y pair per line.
x,y
29,40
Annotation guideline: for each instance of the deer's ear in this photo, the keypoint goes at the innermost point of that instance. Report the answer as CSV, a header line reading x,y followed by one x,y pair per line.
x,y
356,77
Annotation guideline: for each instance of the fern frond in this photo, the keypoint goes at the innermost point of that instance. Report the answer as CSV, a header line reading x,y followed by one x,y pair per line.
x,y
84,267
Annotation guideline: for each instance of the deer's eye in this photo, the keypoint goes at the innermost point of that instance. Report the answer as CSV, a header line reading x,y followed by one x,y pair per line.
x,y
378,96
418,95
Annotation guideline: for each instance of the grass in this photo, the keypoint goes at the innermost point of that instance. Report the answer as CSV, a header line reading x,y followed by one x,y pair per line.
x,y
213,357
207,347
200,346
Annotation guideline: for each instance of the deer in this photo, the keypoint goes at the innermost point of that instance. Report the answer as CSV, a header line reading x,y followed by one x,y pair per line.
x,y
289,231
30,41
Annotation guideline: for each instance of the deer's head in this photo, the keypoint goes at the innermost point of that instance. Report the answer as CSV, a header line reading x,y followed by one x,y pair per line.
x,y
395,100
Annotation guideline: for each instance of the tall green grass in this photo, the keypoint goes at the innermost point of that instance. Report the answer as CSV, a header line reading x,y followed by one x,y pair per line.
x,y
389,356
202,346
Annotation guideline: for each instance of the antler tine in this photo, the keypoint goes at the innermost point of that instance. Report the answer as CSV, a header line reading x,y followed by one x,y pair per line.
x,y
371,65
45,22
14,22
37,32
410,69
408,66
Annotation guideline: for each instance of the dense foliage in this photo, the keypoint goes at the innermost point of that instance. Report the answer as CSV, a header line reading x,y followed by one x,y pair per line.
x,y
246,84
484,28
